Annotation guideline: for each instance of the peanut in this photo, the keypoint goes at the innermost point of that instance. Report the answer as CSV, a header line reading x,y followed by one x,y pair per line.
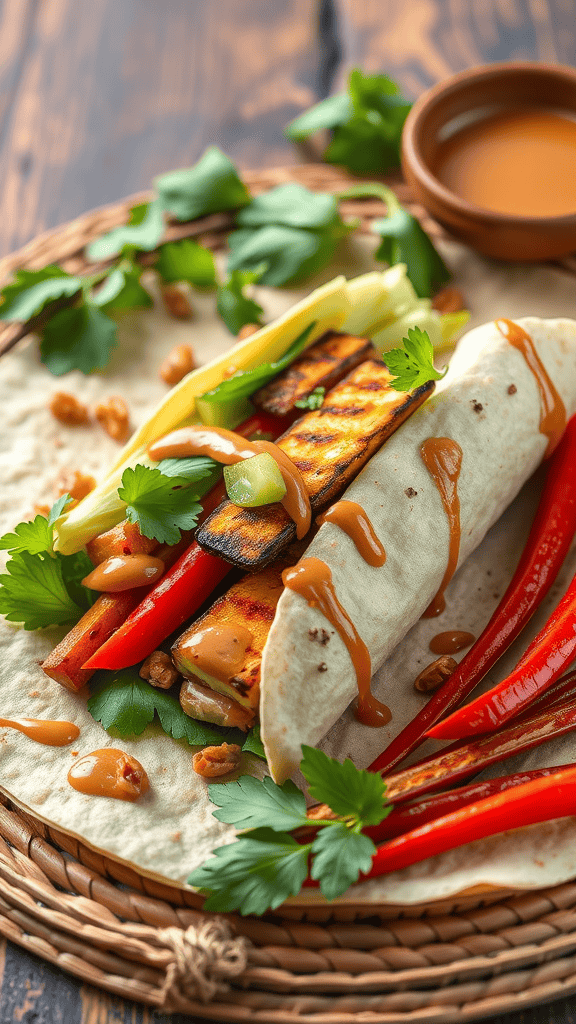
x,y
67,409
112,415
213,761
247,331
448,300
176,301
178,362
432,677
74,483
159,670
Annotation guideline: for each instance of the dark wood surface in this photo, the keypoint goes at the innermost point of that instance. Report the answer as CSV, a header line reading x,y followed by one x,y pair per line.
x,y
98,97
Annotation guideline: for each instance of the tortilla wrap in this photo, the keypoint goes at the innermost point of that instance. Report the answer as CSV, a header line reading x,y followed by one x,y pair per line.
x,y
172,830
501,445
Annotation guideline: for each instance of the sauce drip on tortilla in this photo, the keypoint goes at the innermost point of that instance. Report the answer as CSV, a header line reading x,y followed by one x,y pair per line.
x,y
228,448
351,517
44,730
552,411
220,651
109,772
312,579
443,459
124,572
451,641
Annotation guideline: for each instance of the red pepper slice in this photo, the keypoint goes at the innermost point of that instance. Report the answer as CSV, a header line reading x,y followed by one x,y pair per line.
x,y
543,799
181,590
547,545
413,815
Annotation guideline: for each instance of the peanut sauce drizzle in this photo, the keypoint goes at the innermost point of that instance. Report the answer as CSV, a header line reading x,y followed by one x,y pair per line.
x,y
443,459
451,641
44,730
312,579
124,572
552,410
351,517
109,772
220,651
228,448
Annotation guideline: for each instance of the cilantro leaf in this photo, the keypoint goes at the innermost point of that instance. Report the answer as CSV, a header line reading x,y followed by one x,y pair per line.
x,y
256,873
413,365
233,307
32,290
186,261
196,467
143,232
340,854
36,589
349,791
210,186
128,704
312,401
253,743
292,206
161,506
329,113
80,338
122,289
38,534
404,241
291,254
246,382
254,803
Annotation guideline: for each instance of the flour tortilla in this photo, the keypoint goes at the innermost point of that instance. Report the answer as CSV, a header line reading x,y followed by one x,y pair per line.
x,y
172,830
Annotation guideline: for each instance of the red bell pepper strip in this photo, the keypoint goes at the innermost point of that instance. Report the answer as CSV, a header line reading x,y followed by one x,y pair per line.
x,y
543,799
547,545
409,816
460,760
552,650
181,591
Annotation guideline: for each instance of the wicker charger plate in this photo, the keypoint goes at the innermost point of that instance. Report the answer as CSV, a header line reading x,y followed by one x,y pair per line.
x,y
482,954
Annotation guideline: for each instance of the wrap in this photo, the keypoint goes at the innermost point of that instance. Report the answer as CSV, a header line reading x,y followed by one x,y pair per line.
x,y
171,830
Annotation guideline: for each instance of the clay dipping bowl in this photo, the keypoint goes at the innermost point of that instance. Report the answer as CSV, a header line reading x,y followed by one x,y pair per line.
x,y
457,102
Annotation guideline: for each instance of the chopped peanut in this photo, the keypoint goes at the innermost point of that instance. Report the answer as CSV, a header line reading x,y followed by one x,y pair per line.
x,y
214,761
159,670
247,331
67,409
177,364
448,300
113,416
74,483
432,677
41,510
176,301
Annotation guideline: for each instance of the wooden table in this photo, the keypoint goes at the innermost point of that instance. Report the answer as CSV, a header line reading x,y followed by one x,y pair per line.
x,y
98,97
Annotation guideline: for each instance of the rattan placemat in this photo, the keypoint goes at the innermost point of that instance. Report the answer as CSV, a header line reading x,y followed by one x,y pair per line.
x,y
477,956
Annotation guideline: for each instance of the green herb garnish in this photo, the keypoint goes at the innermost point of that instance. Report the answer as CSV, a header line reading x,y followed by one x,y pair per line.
x,y
267,865
186,261
312,401
211,186
233,306
160,506
142,233
413,365
366,124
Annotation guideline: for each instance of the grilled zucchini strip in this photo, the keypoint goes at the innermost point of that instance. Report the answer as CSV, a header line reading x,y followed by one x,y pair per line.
x,y
329,446
322,365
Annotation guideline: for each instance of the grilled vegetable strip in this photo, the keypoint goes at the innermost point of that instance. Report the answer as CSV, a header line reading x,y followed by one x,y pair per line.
x,y
543,799
546,548
413,815
463,759
322,365
329,446
251,605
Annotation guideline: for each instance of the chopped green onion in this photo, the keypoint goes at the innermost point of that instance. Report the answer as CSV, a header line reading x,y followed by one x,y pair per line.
x,y
253,482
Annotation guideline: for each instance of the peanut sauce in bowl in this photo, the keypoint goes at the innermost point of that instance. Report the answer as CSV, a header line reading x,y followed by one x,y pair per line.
x,y
491,154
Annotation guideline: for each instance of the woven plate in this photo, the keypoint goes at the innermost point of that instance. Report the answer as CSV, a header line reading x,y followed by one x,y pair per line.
x,y
479,955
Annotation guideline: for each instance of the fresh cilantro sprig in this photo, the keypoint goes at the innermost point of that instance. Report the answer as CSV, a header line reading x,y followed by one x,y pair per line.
x,y
413,365
159,505
366,124
234,307
212,185
291,230
42,587
267,865
312,401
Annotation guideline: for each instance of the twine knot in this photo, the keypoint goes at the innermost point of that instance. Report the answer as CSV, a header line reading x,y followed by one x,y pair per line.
x,y
206,957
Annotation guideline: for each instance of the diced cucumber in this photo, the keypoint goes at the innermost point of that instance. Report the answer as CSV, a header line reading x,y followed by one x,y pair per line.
x,y
224,414
255,481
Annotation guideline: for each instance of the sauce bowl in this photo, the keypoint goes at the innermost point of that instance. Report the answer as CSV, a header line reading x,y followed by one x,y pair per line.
x,y
456,103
